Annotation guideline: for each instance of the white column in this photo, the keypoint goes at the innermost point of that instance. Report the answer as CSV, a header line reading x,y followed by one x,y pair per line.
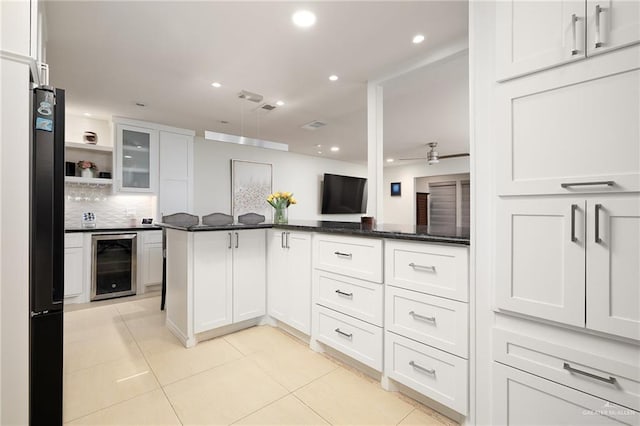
x,y
374,151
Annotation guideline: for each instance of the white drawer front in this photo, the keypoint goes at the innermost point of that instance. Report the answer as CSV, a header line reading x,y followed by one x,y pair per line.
x,y
73,240
435,374
438,322
428,268
521,399
150,237
357,339
571,366
352,256
358,298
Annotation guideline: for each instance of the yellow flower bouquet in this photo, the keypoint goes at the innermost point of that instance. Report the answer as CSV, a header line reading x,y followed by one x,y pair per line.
x,y
280,201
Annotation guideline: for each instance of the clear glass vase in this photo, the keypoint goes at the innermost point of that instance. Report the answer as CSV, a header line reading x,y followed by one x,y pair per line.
x,y
280,215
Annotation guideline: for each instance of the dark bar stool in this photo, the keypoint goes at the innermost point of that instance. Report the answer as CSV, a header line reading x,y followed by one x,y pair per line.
x,y
177,219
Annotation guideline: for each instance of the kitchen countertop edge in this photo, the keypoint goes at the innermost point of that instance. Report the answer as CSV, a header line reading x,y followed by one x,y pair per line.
x,y
115,229
330,230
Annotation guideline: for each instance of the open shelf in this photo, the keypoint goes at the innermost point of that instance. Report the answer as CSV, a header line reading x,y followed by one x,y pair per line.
x,y
88,147
98,181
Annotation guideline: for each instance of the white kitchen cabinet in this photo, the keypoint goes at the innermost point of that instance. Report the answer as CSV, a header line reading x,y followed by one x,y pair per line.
x,y
229,277
351,336
352,256
347,296
176,173
524,399
151,257
571,130
249,274
541,271
426,320
612,24
431,320
536,35
441,270
157,159
613,266
213,280
136,159
289,278
533,35
19,26
606,369
436,374
73,265
551,266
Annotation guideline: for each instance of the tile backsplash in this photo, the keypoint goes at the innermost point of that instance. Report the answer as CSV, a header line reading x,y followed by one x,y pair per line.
x,y
110,209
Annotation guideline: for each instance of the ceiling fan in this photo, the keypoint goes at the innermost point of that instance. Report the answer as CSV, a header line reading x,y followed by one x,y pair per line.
x,y
433,157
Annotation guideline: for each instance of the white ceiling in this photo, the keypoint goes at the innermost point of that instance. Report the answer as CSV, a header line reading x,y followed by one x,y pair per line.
x,y
110,55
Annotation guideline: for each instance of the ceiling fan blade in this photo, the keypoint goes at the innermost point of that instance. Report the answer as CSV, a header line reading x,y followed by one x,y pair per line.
x,y
466,154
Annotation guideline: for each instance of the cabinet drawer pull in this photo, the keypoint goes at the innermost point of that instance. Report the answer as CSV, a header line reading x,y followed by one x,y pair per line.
x,y
599,10
342,293
574,19
340,254
604,182
422,317
342,333
428,268
237,240
282,240
569,368
230,238
597,220
574,207
430,371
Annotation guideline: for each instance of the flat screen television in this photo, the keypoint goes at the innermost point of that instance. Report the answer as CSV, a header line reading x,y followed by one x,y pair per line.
x,y
344,194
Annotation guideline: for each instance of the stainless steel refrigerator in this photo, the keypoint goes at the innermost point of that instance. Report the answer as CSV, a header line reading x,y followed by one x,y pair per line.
x,y
46,262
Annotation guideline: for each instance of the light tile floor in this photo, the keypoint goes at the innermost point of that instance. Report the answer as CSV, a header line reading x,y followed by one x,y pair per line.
x,y
123,367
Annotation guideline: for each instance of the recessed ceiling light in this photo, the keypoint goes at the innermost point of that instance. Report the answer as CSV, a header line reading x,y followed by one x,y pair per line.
x,y
418,38
318,146
280,103
319,152
216,84
303,18
335,149
389,160
87,114
333,77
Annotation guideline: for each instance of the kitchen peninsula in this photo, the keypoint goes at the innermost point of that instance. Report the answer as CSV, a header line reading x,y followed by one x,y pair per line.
x,y
338,285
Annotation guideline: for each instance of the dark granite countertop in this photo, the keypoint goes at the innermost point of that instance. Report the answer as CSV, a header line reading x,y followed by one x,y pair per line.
x,y
448,235
115,228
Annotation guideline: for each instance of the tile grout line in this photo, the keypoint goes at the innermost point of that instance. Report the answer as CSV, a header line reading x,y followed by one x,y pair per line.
x,y
311,408
408,414
258,409
152,371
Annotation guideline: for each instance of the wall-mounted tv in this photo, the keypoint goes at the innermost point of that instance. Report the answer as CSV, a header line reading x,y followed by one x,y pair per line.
x,y
344,194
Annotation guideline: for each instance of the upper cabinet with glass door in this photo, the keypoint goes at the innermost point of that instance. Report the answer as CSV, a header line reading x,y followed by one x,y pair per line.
x,y
136,159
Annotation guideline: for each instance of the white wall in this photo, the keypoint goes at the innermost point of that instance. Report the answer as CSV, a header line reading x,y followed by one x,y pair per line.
x,y
76,125
300,174
402,209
